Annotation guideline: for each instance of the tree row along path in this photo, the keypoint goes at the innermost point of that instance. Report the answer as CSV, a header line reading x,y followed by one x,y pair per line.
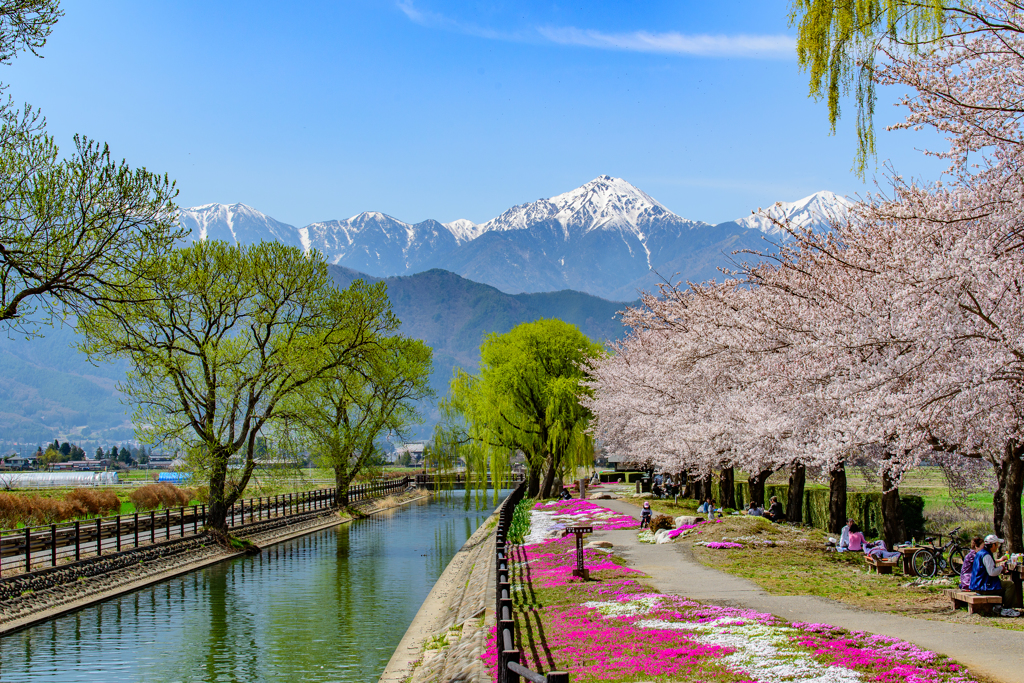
x,y
992,653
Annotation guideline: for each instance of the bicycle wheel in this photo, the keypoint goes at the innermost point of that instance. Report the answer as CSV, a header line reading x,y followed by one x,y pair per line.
x,y
924,563
956,560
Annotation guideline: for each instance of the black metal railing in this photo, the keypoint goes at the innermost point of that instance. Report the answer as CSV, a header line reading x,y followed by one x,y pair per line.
x,y
42,547
510,668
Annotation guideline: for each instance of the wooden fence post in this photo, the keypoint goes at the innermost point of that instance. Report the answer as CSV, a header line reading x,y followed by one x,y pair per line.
x,y
136,529
78,540
28,549
53,545
182,520
99,535
118,533
152,526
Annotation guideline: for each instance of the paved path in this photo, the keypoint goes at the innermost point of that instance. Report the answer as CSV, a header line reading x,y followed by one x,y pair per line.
x,y
990,652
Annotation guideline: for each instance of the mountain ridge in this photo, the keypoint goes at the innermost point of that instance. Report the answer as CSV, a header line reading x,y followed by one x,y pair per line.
x,y
607,238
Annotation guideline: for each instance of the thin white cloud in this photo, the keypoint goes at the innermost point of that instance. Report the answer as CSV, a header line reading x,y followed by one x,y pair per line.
x,y
434,20
763,46
751,46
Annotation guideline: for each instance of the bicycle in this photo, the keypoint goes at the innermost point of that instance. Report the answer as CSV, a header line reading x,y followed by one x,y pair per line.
x,y
927,562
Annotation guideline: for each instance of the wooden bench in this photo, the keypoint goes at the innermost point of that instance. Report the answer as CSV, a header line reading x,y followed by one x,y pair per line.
x,y
970,599
879,565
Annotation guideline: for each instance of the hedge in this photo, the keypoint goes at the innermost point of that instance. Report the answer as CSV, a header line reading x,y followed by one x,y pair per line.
x,y
628,477
864,508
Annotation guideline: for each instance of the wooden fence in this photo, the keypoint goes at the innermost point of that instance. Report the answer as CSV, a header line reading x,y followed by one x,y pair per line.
x,y
42,547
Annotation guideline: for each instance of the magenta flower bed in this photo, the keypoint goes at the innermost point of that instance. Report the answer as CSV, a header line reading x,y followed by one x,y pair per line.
x,y
723,545
613,628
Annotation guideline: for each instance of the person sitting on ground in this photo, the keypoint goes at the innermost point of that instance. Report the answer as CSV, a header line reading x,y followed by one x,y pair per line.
x,y
775,511
595,479
965,571
565,495
844,537
985,576
855,538
755,510
707,507
645,515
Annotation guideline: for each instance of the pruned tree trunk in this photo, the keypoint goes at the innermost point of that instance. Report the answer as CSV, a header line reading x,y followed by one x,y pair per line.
x,y
533,482
893,530
727,484
756,483
549,478
340,487
837,498
217,509
795,503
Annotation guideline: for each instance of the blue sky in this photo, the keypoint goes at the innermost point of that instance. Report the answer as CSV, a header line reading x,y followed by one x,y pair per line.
x,y
431,109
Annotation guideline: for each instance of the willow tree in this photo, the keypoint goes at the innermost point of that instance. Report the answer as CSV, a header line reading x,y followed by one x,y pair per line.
x,y
839,43
217,340
344,415
524,399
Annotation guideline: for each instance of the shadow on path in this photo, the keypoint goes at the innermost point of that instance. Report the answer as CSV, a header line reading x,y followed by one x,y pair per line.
x,y
987,651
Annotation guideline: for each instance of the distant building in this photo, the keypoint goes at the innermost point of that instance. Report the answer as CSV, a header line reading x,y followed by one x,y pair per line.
x,y
20,462
414,449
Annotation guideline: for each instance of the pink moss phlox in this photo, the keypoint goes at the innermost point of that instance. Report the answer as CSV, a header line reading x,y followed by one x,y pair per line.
x,y
723,545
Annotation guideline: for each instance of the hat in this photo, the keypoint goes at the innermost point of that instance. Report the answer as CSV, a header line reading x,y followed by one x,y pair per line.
x,y
646,504
992,539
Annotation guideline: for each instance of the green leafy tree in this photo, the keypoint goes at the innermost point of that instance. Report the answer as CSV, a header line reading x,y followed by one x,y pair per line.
x,y
525,398
344,415
99,452
839,42
50,457
76,228
220,336
65,449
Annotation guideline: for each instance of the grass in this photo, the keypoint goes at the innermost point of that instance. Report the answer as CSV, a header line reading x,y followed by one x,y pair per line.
x,y
789,560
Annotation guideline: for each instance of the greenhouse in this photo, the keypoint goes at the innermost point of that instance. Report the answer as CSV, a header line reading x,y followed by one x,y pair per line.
x,y
25,480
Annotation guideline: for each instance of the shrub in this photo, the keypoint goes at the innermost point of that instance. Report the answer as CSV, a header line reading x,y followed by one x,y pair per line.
x,y
94,502
12,511
48,510
662,522
153,496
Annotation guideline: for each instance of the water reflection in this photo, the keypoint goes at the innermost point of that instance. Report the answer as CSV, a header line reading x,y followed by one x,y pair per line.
x,y
330,606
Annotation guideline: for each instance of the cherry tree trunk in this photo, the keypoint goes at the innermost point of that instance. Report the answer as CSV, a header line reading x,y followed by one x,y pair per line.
x,y
837,498
341,483
726,482
795,504
893,530
1011,483
756,483
689,486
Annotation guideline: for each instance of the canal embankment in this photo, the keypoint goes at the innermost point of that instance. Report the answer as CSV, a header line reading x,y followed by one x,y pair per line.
x,y
35,597
448,636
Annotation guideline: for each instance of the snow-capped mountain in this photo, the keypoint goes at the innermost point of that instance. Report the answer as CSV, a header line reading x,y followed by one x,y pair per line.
x,y
606,237
815,211
237,223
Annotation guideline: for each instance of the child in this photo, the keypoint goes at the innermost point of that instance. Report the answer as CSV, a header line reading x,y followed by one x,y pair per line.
x,y
645,516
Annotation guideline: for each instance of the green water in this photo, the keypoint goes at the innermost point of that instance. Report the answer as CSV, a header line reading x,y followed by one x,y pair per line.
x,y
330,606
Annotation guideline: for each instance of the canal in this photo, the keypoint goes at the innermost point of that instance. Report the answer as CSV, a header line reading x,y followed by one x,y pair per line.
x,y
330,606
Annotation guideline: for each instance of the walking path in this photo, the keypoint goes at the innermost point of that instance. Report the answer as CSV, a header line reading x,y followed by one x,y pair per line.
x,y
989,652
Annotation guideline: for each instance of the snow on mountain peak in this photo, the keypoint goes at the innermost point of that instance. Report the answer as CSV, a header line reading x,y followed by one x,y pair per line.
x,y
464,229
818,208
604,203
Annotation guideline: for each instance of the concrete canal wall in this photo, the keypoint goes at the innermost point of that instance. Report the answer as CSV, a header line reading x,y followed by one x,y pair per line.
x,y
449,634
